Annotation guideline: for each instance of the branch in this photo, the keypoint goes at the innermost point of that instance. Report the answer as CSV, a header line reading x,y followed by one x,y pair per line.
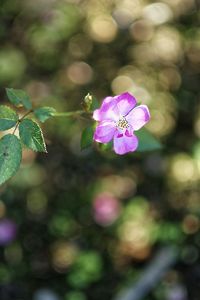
x,y
154,272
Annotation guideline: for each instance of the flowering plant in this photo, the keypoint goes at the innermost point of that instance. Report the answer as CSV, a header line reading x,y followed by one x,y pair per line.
x,y
118,119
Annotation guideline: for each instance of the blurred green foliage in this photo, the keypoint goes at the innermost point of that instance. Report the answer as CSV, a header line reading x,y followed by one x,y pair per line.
x,y
58,51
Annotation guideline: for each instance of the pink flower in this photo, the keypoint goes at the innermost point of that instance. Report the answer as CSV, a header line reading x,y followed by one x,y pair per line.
x,y
106,209
118,119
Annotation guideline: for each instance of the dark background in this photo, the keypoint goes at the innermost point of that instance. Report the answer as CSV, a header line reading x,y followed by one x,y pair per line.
x,y
84,224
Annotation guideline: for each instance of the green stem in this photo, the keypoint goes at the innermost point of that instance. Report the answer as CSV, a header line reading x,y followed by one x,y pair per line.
x,y
70,113
78,113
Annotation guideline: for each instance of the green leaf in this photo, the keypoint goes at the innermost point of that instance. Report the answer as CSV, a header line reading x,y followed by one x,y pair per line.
x,y
106,147
31,135
18,97
147,142
10,156
87,137
95,103
8,117
44,113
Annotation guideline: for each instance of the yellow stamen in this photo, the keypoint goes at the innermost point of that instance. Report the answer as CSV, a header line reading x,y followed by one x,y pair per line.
x,y
122,123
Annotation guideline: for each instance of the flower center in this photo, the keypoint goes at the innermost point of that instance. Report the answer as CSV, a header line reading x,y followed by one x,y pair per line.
x,y
122,123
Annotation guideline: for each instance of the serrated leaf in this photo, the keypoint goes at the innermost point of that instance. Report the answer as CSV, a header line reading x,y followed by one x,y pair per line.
x,y
147,142
8,117
18,97
87,137
31,135
10,156
44,113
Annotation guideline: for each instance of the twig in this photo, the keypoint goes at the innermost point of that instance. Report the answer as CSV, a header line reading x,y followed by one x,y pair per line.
x,y
154,272
21,119
25,115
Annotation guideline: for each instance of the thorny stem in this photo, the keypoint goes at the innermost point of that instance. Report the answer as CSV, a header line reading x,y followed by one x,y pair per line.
x,y
21,119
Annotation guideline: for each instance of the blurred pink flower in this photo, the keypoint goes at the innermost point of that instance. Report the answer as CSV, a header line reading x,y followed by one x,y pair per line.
x,y
177,292
8,231
106,209
118,119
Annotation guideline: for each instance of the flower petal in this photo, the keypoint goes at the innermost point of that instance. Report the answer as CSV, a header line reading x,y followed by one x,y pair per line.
x,y
107,111
124,143
138,117
125,102
105,131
